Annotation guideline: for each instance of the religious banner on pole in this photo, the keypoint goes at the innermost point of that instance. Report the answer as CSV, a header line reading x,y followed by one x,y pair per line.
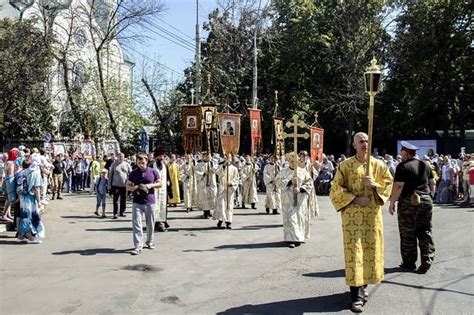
x,y
191,123
230,132
210,127
279,139
317,144
255,131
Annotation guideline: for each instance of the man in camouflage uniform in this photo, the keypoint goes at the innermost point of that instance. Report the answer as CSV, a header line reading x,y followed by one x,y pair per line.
x,y
412,193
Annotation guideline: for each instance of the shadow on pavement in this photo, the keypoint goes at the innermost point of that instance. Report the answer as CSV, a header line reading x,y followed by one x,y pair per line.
x,y
329,303
326,274
90,216
258,227
94,251
253,246
252,213
442,289
118,229
207,228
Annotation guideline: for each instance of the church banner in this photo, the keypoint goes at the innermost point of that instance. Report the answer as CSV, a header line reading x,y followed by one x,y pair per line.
x,y
255,131
230,132
191,123
317,144
279,139
210,127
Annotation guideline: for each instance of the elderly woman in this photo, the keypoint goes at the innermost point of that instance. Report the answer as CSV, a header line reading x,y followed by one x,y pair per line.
x,y
29,182
9,184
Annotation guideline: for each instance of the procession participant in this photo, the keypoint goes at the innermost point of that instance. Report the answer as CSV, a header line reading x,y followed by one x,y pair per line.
x,y
58,174
206,185
361,217
273,194
118,174
228,183
295,218
11,169
412,193
305,162
249,182
29,181
161,208
142,182
94,172
187,171
173,174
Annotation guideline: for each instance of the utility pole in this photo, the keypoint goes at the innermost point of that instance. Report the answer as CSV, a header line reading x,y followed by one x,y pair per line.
x,y
198,57
255,69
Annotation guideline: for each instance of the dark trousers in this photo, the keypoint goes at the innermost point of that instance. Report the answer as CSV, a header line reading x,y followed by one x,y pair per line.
x,y
78,182
357,293
414,225
119,192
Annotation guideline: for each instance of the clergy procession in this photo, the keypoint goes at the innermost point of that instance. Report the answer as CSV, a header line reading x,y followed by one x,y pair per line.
x,y
236,157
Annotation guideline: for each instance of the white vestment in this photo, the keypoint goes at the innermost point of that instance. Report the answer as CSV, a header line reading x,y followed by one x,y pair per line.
x,y
161,196
249,183
296,225
206,185
187,176
273,194
228,183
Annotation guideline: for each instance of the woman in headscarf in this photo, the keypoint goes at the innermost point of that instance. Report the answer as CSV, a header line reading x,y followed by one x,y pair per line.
x,y
29,183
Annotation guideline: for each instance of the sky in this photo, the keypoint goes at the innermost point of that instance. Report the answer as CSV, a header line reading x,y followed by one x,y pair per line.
x,y
179,19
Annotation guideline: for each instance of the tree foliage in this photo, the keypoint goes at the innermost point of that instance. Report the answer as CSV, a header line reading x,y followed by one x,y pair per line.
x,y
25,62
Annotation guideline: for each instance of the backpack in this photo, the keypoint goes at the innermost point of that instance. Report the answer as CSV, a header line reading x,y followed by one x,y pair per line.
x,y
22,184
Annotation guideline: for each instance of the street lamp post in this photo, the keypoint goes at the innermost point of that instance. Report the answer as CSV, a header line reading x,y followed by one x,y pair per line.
x,y
192,95
372,77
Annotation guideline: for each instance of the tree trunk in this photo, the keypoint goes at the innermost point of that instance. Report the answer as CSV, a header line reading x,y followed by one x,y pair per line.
x,y
105,98
74,107
157,108
350,128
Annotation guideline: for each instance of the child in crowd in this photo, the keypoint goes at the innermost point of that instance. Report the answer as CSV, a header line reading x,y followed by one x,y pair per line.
x,y
101,190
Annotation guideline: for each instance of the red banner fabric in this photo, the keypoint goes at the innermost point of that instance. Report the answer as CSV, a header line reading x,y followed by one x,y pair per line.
x,y
255,131
317,144
191,122
229,125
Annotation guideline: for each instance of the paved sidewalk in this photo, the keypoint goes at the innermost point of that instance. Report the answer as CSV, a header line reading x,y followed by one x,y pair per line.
x,y
84,267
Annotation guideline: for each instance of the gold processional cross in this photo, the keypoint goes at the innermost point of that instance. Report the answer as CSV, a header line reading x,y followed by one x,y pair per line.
x,y
295,123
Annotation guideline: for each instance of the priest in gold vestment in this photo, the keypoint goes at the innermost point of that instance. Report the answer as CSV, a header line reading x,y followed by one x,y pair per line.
x,y
173,172
361,216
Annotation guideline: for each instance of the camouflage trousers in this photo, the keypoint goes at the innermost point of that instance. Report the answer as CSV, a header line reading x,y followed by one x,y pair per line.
x,y
414,225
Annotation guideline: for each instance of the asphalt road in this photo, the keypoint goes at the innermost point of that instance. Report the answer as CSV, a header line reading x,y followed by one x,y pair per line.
x,y
84,267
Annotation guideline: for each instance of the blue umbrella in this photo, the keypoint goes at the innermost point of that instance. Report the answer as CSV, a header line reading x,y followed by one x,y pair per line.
x,y
144,147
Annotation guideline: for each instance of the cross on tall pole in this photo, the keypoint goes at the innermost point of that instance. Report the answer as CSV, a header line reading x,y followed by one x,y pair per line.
x,y
295,123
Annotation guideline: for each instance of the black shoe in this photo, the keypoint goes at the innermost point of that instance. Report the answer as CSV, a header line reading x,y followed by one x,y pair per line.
x,y
228,226
253,206
115,217
267,210
408,266
59,197
275,211
122,215
243,206
219,225
423,269
54,197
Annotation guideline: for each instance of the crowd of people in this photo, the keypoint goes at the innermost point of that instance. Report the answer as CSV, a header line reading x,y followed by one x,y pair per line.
x,y
215,185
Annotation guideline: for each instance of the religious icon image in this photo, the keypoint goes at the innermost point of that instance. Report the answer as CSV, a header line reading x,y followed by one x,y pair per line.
x,y
59,148
208,117
317,140
191,122
229,127
87,148
255,125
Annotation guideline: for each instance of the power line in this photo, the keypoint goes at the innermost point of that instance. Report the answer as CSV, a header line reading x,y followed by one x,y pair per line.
x,y
157,62
170,39
162,20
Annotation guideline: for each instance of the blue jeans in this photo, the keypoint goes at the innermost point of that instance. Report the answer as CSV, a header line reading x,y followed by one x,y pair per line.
x,y
149,212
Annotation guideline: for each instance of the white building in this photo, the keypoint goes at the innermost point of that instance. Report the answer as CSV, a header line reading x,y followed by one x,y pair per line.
x,y
71,27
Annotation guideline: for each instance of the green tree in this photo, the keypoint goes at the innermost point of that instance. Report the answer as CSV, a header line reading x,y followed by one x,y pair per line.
x,y
25,65
430,58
